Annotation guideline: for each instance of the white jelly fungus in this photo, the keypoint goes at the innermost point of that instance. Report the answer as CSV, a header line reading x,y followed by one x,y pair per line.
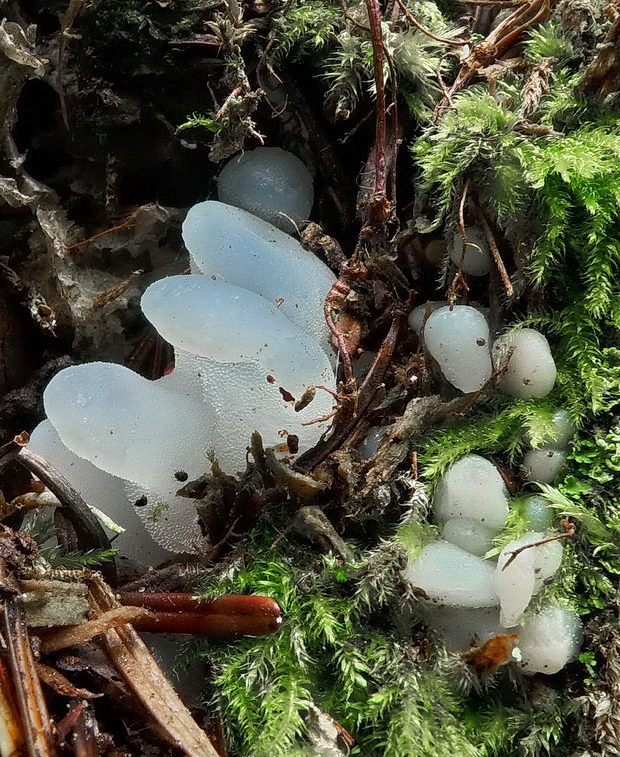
x,y
269,183
478,260
458,339
450,575
249,339
472,488
469,534
531,370
543,465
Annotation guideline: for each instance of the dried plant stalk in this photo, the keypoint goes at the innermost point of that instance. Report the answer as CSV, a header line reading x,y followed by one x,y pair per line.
x,y
149,684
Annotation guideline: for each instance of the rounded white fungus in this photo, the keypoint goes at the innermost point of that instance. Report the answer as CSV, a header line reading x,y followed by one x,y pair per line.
x,y
417,315
472,488
531,370
100,490
468,534
538,513
463,629
269,183
452,576
543,465
230,243
549,640
478,260
458,339
518,577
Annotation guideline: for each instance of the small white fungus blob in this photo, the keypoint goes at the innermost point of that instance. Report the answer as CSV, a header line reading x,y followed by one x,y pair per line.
x,y
452,576
478,260
548,561
458,339
463,629
538,513
468,534
549,640
518,578
531,371
269,183
244,250
561,433
472,488
417,315
515,582
101,490
543,465
371,442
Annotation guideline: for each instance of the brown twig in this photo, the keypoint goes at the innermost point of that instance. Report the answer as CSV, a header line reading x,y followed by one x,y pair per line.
x,y
30,699
501,268
506,34
335,300
87,526
228,617
126,225
458,282
349,17
376,33
414,22
569,530
313,457
149,685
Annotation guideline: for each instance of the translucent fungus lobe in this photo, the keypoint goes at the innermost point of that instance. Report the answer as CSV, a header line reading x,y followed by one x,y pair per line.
x,y
244,250
458,339
452,576
269,183
477,261
531,370
472,488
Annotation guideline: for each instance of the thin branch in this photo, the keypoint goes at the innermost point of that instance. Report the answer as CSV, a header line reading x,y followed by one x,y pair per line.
x,y
414,22
374,378
126,225
494,250
87,526
30,699
458,281
569,530
376,33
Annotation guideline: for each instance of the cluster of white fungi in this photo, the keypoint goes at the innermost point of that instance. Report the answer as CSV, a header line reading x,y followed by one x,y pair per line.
x,y
250,338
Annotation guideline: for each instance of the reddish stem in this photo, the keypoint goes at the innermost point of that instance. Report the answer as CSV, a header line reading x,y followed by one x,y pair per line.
x,y
374,18
229,616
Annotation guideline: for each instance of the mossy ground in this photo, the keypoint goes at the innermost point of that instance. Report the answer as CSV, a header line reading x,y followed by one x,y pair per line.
x,y
145,84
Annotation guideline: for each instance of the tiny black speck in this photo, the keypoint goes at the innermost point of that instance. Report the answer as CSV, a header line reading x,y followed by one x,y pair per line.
x,y
181,475
142,502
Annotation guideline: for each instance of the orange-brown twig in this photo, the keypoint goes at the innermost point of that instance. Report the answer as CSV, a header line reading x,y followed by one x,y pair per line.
x,y
569,530
126,225
414,22
486,227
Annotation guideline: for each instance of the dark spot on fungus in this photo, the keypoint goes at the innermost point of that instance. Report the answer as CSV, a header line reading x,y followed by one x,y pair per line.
x,y
181,475
286,396
292,442
141,502
481,342
271,379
